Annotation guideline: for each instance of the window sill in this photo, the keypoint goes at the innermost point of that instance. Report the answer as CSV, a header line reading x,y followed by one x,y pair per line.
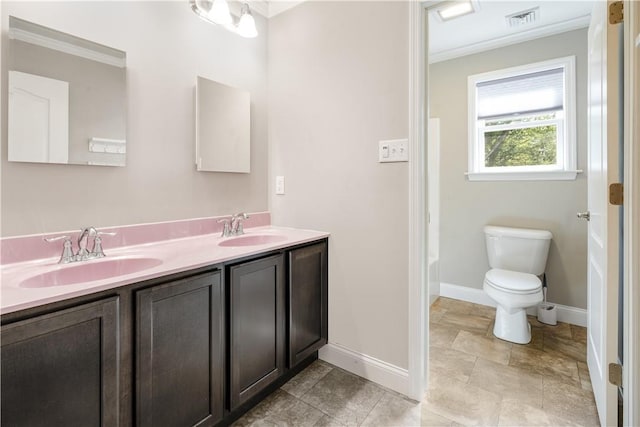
x,y
523,176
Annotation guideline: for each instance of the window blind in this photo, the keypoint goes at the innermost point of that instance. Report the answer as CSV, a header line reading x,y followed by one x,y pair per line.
x,y
538,92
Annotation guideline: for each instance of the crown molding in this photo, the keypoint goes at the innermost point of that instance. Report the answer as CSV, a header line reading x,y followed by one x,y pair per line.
x,y
535,33
277,7
69,48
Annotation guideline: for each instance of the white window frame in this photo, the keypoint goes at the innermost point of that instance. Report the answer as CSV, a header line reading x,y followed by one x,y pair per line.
x,y
566,166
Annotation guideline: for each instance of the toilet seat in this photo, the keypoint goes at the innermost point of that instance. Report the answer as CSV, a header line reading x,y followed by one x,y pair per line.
x,y
513,281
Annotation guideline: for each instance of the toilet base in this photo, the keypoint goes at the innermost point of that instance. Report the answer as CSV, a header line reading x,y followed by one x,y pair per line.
x,y
512,325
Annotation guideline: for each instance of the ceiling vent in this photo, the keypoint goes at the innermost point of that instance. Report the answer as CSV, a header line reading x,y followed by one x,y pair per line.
x,y
525,17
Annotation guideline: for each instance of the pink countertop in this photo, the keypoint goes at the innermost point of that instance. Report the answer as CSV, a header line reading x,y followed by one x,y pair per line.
x,y
200,248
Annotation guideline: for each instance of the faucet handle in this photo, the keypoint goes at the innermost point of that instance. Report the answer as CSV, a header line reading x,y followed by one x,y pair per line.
x,y
55,239
97,251
226,230
236,223
67,250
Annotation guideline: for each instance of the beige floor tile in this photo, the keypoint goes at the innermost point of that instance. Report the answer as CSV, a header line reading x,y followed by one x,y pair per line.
x,y
305,380
462,403
454,305
574,349
467,322
481,346
545,363
570,402
453,363
280,409
393,410
436,311
579,333
509,382
483,310
561,330
346,397
514,413
328,421
431,419
585,378
442,336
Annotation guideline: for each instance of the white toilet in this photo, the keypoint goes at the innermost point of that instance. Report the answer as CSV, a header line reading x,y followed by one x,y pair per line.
x,y
517,257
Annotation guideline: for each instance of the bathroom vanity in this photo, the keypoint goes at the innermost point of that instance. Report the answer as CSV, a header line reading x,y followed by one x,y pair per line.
x,y
199,346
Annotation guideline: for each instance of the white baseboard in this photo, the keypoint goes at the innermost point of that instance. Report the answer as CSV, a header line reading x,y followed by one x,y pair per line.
x,y
566,314
367,367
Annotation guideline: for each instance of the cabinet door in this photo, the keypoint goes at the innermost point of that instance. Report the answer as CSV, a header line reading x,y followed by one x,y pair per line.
x,y
62,368
257,316
180,352
307,301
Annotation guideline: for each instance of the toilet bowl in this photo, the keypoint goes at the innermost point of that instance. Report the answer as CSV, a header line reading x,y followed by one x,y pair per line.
x,y
517,257
513,292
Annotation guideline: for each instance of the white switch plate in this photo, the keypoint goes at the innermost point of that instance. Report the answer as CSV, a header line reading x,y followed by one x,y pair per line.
x,y
393,150
279,184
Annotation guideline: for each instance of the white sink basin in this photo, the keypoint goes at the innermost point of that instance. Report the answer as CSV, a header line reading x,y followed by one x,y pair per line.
x,y
89,271
252,240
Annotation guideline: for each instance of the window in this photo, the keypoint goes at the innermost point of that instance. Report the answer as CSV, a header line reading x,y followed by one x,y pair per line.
x,y
522,123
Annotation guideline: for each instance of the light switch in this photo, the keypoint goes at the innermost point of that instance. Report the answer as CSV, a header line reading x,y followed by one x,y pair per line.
x,y
395,150
279,184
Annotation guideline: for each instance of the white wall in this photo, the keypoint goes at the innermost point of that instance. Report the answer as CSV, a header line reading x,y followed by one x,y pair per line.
x,y
167,46
338,83
467,206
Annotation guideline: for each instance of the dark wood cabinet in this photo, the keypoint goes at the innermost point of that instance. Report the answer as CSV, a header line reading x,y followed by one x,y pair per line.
x,y
62,368
307,288
180,352
257,326
194,348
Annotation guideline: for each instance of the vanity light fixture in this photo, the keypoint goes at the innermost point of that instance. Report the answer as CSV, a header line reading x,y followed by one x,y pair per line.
x,y
220,13
454,9
217,12
247,25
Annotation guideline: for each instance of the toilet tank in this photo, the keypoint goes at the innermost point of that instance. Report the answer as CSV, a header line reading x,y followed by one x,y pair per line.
x,y
517,249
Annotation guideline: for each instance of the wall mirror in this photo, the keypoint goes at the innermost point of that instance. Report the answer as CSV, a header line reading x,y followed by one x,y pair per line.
x,y
67,98
223,127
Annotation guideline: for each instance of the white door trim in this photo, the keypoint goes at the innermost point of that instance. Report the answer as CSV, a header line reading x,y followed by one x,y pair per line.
x,y
418,295
631,369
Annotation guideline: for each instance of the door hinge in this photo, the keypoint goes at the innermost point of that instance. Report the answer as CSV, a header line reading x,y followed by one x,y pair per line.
x,y
616,194
615,13
615,374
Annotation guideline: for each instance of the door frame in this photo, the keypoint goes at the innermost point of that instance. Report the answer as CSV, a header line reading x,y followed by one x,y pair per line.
x,y
418,246
631,251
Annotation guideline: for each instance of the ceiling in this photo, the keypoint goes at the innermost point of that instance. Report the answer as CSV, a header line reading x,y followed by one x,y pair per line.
x,y
488,28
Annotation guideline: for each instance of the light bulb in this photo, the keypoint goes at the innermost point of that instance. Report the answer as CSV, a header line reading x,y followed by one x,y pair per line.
x,y
247,25
219,13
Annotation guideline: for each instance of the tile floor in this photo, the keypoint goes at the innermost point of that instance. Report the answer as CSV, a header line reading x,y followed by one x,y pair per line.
x,y
476,379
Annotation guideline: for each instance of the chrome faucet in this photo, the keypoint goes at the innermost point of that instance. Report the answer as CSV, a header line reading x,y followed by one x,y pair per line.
x,y
83,253
233,225
236,223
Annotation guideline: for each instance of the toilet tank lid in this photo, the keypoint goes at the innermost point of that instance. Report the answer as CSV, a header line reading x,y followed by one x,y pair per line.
x,y
524,233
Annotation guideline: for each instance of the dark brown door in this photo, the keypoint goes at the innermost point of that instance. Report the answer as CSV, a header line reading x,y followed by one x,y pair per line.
x,y
61,369
257,328
307,301
180,353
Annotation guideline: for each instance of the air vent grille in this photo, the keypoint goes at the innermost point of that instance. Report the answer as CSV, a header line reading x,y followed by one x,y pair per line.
x,y
524,17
